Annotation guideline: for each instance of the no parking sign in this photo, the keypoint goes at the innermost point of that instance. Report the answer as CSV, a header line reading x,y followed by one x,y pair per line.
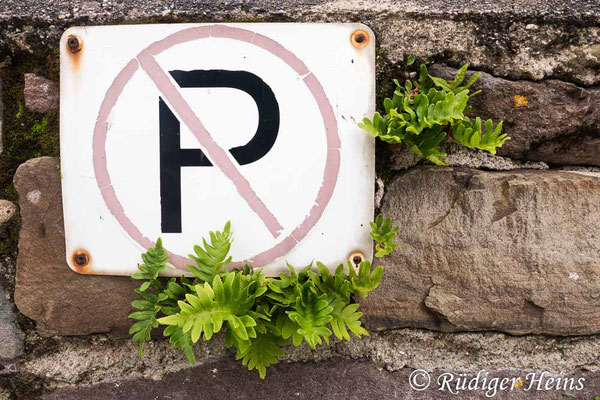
x,y
172,130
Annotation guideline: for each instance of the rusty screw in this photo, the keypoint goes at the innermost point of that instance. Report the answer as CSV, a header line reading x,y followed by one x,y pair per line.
x,y
359,38
74,44
81,258
356,258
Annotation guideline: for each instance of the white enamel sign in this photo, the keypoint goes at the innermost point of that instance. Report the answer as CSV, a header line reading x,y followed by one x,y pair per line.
x,y
171,130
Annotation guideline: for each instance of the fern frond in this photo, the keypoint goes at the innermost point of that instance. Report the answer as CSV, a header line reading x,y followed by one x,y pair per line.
x,y
154,261
470,134
345,316
211,259
383,234
181,340
366,280
260,352
336,285
422,112
205,312
312,313
146,317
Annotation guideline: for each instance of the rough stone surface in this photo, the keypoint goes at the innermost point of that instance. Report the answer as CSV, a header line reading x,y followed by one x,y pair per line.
x,y
7,212
508,251
92,360
518,39
41,94
336,378
440,282
11,339
460,156
60,301
560,124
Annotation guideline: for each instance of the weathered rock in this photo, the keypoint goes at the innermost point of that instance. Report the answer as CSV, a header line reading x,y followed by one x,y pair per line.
x,y
7,212
336,378
11,338
524,39
509,251
60,301
560,124
41,94
96,359
460,156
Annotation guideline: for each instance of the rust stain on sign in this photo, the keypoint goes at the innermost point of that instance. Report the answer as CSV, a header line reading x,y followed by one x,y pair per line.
x,y
359,38
80,259
75,45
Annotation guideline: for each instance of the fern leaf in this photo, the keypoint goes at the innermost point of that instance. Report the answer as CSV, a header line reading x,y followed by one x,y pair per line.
x,y
155,260
312,313
288,328
383,234
471,134
260,352
181,340
204,313
366,280
346,317
211,258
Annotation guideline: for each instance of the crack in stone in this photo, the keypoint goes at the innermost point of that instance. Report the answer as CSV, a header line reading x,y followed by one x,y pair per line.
x,y
466,186
505,207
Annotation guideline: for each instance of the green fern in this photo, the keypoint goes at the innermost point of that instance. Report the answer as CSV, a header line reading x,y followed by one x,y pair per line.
x,y
211,259
181,340
421,113
346,316
260,352
312,313
382,233
259,315
366,280
471,135
146,315
204,312
154,261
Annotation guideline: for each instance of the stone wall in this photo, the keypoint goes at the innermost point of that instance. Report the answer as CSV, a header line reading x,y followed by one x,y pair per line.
x,y
498,260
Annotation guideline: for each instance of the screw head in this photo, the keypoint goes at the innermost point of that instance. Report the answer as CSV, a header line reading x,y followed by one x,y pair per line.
x,y
356,258
359,39
74,44
81,258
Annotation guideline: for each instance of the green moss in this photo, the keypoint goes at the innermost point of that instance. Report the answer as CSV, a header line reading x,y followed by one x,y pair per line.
x,y
25,134
386,72
9,244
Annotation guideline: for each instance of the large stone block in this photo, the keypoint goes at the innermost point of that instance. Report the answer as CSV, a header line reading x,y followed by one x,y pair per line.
x,y
60,301
517,252
559,124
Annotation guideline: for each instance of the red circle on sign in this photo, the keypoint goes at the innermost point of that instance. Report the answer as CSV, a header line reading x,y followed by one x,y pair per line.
x,y
332,164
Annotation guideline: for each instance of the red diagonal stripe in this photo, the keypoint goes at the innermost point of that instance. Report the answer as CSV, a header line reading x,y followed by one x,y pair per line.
x,y
217,155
